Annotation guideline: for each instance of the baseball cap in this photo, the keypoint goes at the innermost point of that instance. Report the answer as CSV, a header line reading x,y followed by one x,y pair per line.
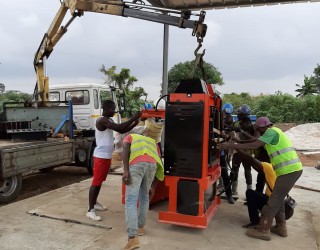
x,y
262,122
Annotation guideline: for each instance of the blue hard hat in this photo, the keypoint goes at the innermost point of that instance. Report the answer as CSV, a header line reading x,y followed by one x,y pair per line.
x,y
244,109
147,105
228,108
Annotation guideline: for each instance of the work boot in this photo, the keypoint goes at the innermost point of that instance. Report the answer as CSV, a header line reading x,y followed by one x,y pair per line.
x,y
235,188
280,228
263,230
140,231
132,243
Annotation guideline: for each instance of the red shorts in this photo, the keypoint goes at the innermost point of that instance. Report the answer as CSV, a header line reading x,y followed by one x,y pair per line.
x,y
100,170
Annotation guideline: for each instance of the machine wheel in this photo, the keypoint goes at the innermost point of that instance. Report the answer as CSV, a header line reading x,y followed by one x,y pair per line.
x,y
46,170
10,188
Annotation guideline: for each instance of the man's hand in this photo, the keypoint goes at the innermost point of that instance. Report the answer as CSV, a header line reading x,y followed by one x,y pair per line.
x,y
137,115
126,178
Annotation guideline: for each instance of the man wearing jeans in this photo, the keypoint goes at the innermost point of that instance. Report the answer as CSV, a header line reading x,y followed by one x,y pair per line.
x,y
103,152
141,164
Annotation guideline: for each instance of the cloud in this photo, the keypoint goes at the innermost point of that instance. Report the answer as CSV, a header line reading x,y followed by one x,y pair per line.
x,y
285,84
260,49
29,20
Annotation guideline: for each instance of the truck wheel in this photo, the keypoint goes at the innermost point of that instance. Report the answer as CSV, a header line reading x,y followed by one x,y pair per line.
x,y
10,188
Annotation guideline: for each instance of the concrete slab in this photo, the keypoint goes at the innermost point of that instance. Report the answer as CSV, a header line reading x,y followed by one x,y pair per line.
x,y
20,230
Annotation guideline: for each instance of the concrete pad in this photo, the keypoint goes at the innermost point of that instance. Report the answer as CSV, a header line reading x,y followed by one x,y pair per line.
x,y
63,209
310,178
19,230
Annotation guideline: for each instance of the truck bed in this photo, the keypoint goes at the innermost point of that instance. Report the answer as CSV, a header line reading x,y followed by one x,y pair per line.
x,y
18,157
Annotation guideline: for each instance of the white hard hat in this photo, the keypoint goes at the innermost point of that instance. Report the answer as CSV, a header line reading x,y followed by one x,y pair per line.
x,y
161,104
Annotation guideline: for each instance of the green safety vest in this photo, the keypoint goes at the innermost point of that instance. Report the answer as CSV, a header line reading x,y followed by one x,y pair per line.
x,y
144,145
283,156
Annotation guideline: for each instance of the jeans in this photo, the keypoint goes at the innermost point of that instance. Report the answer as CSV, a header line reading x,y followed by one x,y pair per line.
x,y
142,175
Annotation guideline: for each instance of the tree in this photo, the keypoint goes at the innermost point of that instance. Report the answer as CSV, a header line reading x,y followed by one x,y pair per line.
x,y
316,73
311,84
14,96
125,81
238,99
188,69
308,88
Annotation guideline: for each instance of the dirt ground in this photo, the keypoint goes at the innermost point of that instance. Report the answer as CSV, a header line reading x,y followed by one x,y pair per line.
x,y
37,183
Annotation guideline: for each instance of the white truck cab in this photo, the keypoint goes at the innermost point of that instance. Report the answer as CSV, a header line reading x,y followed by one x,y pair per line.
x,y
87,101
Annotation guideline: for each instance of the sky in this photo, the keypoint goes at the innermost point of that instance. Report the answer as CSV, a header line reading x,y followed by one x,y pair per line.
x,y
257,49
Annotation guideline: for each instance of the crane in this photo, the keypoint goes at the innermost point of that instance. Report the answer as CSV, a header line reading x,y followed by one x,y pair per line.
x,y
77,8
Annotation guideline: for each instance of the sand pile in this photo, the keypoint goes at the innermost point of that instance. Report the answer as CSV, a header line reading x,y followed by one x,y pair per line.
x,y
305,136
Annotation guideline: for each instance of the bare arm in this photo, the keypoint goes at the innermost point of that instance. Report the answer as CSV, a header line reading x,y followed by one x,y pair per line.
x,y
103,123
252,161
248,136
125,159
245,146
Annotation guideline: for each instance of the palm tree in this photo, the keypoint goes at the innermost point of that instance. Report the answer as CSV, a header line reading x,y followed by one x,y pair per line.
x,y
309,87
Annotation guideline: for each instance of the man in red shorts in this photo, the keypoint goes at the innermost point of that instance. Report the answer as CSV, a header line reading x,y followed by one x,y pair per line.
x,y
103,152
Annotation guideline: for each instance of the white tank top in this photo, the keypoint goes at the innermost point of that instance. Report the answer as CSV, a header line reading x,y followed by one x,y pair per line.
x,y
105,144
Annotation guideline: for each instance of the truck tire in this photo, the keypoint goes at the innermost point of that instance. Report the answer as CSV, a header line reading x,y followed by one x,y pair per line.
x,y
10,188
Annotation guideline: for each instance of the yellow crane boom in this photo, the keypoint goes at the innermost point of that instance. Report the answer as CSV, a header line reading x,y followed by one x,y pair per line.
x,y
178,18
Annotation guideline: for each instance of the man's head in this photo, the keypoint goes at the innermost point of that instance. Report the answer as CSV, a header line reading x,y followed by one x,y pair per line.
x,y
228,120
109,108
242,111
245,123
262,124
227,108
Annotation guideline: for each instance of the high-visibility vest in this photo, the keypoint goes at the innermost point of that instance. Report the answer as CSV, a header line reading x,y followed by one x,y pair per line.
x,y
141,145
283,156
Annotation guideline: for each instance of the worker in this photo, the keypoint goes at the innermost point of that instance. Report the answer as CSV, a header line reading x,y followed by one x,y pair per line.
x,y
244,129
227,110
143,169
250,134
103,152
256,199
288,168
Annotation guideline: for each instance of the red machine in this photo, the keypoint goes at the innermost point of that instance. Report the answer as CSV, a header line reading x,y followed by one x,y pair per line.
x,y
191,160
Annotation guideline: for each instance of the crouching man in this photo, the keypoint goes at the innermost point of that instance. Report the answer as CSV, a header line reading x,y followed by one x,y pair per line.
x,y
143,168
